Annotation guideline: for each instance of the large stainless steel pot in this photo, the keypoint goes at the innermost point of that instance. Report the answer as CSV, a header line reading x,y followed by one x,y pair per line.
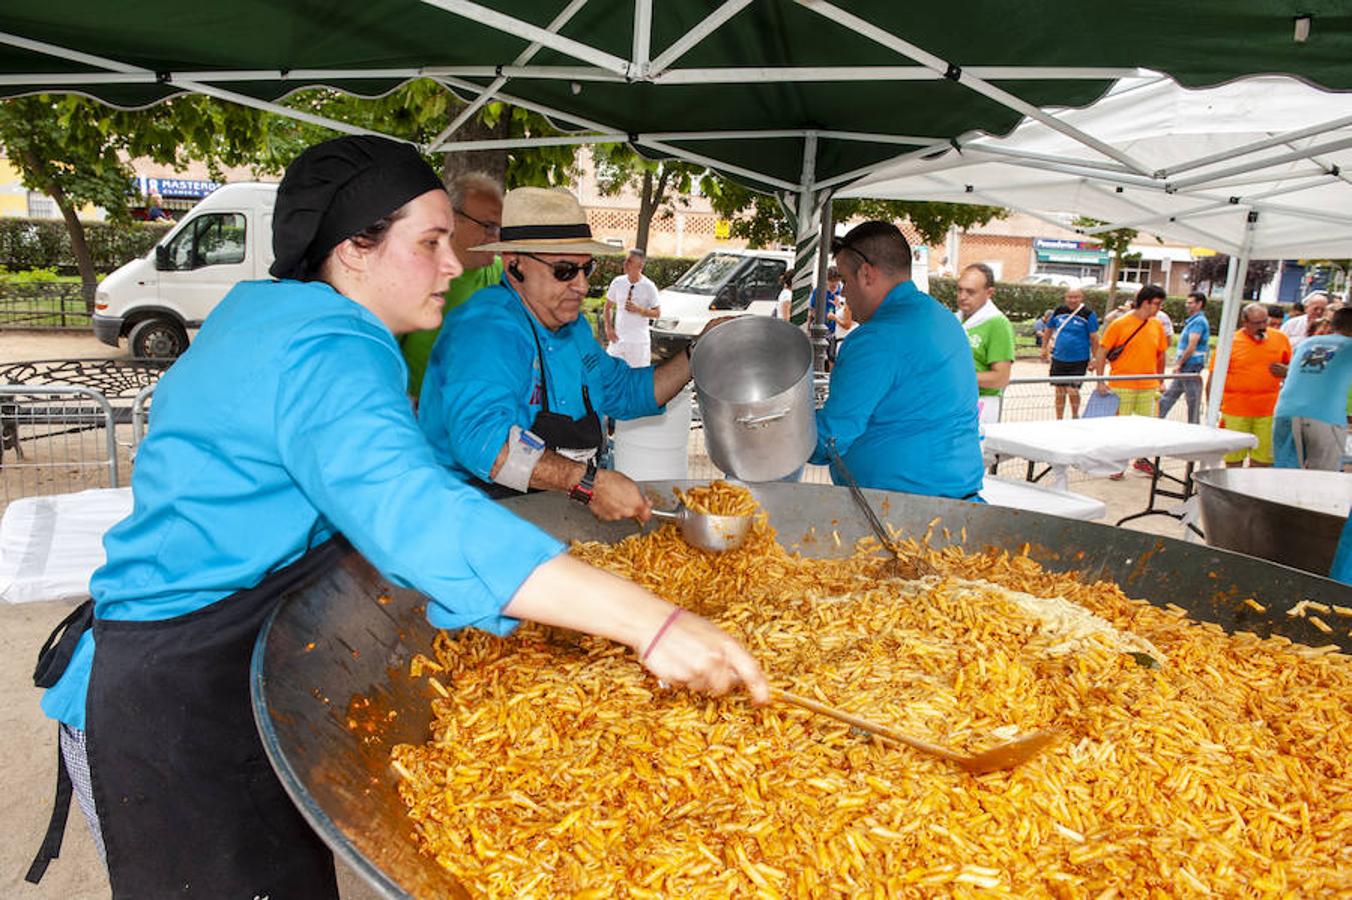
x,y
1291,516
330,673
753,377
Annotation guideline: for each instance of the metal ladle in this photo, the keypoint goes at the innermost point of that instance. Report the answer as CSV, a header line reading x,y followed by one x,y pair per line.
x,y
706,531
897,564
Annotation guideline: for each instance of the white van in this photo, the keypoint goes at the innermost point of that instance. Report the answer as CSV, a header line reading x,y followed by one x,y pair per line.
x,y
723,283
153,301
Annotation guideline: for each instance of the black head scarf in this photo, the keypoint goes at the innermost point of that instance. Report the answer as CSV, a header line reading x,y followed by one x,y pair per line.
x,y
336,189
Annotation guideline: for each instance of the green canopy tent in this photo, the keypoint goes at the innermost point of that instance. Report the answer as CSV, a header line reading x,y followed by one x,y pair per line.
x,y
797,98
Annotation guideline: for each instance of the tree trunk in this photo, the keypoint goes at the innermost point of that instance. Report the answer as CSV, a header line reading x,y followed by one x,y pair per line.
x,y
1114,267
650,198
493,163
79,247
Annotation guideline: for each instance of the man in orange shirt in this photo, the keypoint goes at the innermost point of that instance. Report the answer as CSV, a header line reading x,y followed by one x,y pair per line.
x,y
1135,345
1252,384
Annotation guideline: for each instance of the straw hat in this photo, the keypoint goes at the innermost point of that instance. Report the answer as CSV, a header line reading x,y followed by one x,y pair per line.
x,y
544,220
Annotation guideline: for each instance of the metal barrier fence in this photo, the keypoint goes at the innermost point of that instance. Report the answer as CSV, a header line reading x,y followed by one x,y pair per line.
x,y
1034,400
55,439
44,306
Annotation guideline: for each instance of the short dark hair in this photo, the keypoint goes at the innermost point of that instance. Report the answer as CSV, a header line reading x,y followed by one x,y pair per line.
x,y
1199,297
1146,294
1342,321
1297,308
1276,311
986,272
877,243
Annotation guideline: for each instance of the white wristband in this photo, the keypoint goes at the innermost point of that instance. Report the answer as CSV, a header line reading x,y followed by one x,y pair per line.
x,y
524,451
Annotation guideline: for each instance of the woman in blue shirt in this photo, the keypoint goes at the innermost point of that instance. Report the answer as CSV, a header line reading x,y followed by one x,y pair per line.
x,y
280,436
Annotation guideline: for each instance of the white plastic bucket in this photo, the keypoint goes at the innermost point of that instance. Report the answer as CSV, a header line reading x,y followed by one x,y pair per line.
x,y
655,448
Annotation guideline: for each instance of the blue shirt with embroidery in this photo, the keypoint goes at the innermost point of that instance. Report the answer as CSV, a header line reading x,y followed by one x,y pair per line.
x,y
286,422
903,402
484,376
1318,379
1198,325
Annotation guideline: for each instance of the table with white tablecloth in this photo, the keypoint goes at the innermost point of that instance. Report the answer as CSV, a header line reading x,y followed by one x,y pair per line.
x,y
1107,445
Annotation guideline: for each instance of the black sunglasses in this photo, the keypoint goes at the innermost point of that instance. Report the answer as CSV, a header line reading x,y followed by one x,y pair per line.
x,y
564,270
839,244
490,228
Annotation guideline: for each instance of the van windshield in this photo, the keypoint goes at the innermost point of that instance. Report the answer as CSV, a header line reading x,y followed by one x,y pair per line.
x,y
709,274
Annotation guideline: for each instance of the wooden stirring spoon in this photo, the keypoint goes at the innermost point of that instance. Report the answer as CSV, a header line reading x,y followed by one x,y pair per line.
x,y
1002,756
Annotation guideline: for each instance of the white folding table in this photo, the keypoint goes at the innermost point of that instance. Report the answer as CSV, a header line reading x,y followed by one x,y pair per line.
x,y
1106,445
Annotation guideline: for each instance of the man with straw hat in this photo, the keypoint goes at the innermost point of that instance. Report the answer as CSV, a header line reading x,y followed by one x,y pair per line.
x,y
517,383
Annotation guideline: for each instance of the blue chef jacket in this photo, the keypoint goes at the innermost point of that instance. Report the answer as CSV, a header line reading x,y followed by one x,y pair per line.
x,y
284,423
903,401
484,377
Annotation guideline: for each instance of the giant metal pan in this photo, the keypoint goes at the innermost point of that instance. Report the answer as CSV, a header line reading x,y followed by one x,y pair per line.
x,y
331,693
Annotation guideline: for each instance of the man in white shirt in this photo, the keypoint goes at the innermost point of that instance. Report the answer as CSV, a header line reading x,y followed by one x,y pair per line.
x,y
631,305
1298,328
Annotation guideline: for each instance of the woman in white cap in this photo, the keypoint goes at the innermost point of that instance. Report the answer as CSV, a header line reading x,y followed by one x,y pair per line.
x,y
280,436
517,382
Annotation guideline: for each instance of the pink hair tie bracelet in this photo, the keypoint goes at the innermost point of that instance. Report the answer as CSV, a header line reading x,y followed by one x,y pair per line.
x,y
675,613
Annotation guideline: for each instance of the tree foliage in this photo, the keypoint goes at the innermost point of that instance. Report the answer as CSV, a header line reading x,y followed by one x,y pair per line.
x,y
663,185
78,151
1117,243
762,219
1214,270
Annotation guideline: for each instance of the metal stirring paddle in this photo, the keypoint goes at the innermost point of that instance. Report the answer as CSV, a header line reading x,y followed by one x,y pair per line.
x,y
1002,756
897,561
707,531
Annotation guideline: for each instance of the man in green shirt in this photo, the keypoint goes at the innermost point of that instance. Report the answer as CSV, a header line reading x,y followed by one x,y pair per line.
x,y
477,201
990,335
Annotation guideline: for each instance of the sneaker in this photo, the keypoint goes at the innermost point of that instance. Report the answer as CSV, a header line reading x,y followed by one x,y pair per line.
x,y
1144,465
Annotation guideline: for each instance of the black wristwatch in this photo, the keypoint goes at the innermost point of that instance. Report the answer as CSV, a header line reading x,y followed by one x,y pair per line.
x,y
583,491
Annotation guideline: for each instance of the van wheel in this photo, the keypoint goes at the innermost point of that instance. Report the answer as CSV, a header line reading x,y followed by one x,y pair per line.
x,y
158,338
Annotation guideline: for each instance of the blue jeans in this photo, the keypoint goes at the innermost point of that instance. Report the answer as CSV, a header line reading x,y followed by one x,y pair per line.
x,y
1191,387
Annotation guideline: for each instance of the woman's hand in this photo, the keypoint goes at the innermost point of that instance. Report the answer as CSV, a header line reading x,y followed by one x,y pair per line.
x,y
686,650
695,653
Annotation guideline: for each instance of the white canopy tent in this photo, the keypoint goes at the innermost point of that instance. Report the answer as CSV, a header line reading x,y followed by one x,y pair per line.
x,y
1258,169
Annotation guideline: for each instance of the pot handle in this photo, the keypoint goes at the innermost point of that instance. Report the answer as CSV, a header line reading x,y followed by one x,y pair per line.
x,y
757,421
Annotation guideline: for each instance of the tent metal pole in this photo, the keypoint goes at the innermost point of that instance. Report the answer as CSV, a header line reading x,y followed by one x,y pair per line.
x,y
730,74
643,35
245,100
563,140
992,150
867,29
1314,177
713,163
1274,141
483,15
1158,217
1214,241
711,23
862,171
89,59
526,55
1234,289
1258,165
870,137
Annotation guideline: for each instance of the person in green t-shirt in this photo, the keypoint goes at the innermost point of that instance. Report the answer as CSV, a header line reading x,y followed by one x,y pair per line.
x,y
477,201
989,334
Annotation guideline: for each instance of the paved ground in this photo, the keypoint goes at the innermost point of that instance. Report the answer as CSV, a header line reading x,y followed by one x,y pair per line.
x,y
28,741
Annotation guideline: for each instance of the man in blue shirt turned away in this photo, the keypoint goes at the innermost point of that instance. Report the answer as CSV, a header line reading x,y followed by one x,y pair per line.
x,y
903,404
1309,425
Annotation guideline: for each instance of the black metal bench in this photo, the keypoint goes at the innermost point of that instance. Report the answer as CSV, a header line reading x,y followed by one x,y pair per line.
x,y
118,381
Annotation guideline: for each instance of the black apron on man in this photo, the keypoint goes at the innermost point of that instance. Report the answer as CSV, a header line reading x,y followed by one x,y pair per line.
x,y
578,439
170,728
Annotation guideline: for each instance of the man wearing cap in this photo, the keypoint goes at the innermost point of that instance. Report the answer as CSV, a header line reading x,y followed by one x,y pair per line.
x,y
476,200
517,382
902,411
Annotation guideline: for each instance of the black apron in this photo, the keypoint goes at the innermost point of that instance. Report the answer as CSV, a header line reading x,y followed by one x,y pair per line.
x,y
187,802
574,438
